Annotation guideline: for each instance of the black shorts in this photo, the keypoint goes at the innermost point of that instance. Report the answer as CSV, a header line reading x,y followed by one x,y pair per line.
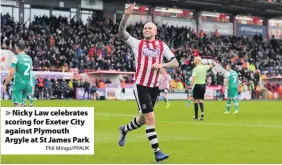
x,y
199,91
123,90
164,91
145,97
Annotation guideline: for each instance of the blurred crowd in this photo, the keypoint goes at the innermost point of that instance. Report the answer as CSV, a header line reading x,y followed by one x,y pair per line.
x,y
58,44
60,89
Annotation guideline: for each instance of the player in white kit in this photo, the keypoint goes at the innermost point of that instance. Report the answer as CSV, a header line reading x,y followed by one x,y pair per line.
x,y
165,79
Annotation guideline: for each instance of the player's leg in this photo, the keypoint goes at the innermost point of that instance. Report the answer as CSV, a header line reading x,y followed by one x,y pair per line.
x,y
24,102
146,104
236,100
188,98
236,105
121,94
202,91
17,95
31,96
149,115
196,101
201,104
136,123
201,101
25,95
158,98
164,94
84,93
25,98
228,103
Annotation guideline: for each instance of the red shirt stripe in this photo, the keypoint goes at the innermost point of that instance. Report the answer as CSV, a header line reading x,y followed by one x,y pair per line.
x,y
160,61
149,75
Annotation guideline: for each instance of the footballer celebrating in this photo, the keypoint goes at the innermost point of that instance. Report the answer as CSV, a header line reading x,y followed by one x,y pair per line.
x,y
148,54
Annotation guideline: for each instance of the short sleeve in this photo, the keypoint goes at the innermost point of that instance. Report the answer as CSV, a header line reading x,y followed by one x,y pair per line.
x,y
14,62
167,52
194,73
133,42
207,67
134,45
169,78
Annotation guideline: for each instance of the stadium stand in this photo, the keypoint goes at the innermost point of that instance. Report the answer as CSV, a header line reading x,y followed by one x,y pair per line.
x,y
56,44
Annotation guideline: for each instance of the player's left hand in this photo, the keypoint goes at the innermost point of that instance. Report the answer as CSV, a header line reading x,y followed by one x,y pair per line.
x,y
156,65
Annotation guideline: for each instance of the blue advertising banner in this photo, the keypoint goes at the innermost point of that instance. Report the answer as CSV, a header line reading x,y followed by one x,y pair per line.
x,y
250,30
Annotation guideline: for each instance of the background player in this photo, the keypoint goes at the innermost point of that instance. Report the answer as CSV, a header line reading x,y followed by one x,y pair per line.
x,y
232,83
123,85
165,79
189,91
148,54
20,70
30,96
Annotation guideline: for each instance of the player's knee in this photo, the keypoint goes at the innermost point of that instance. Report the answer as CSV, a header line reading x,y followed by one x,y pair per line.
x,y
141,119
149,118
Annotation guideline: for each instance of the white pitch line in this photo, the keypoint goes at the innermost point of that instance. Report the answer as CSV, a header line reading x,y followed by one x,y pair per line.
x,y
200,122
114,114
224,124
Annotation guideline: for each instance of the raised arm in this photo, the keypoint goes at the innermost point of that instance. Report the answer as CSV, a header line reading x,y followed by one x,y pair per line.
x,y
122,33
213,64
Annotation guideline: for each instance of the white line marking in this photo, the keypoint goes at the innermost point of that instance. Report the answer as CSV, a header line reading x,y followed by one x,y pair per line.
x,y
200,122
224,124
115,114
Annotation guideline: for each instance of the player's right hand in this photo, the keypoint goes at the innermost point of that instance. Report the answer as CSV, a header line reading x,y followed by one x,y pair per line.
x,y
129,9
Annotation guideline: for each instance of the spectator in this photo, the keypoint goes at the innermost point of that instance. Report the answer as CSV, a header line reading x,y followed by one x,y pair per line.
x,y
94,91
40,87
48,87
86,86
59,44
71,88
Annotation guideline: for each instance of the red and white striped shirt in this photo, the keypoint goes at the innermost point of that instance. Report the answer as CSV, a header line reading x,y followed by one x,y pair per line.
x,y
146,53
164,81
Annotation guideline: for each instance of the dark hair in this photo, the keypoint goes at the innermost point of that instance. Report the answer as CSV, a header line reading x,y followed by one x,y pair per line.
x,y
232,66
21,45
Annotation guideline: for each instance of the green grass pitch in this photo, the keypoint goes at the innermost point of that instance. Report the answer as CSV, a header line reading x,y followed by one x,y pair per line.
x,y
252,136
